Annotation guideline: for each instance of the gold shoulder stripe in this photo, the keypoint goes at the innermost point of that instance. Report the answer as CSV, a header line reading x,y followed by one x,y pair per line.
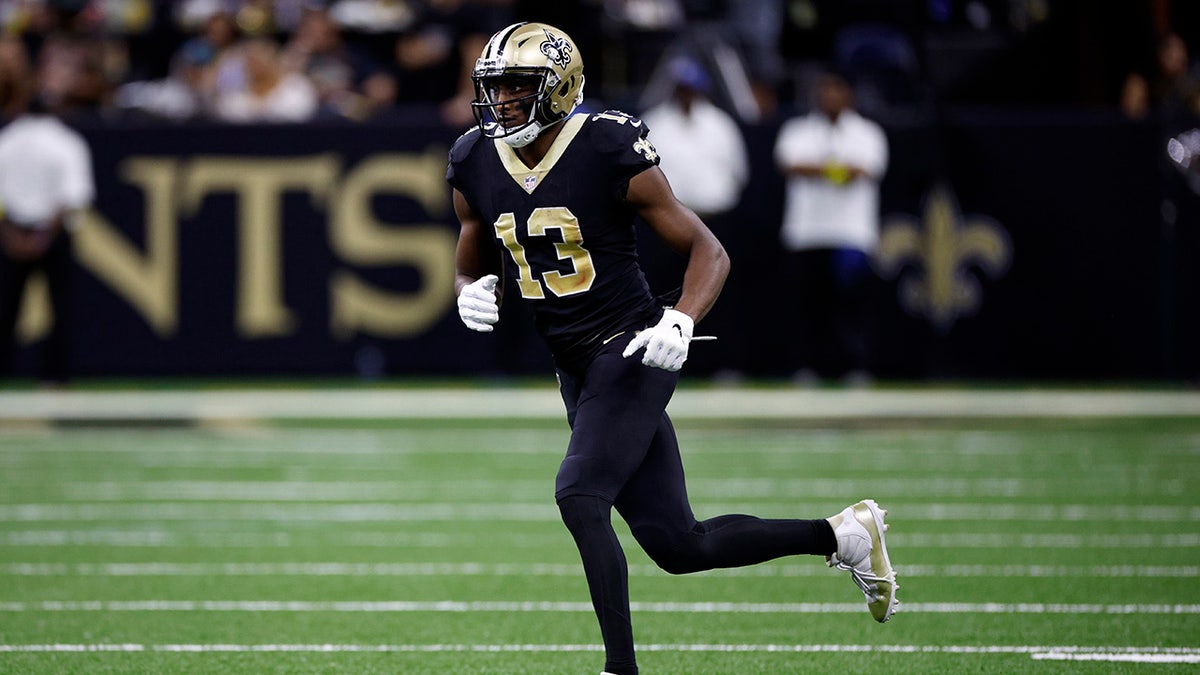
x,y
529,179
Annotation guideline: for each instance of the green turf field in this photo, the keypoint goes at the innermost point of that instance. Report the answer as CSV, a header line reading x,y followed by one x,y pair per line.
x,y
418,546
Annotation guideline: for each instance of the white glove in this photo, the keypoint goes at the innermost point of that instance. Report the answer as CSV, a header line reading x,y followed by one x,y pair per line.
x,y
666,342
477,305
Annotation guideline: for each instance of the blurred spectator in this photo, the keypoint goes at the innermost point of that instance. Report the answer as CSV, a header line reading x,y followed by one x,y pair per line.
x,y
731,39
704,158
203,60
349,82
269,93
16,78
639,34
1172,91
256,17
703,153
757,27
373,16
252,17
435,56
45,178
218,34
77,62
43,17
194,16
189,88
834,159
881,61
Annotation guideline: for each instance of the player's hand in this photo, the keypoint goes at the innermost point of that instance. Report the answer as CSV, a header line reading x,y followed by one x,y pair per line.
x,y
477,306
666,342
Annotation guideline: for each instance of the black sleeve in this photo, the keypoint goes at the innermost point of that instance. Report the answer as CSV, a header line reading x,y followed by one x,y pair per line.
x,y
458,156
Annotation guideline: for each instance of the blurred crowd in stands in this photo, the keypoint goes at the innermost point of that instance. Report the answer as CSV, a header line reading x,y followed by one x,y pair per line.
x,y
299,60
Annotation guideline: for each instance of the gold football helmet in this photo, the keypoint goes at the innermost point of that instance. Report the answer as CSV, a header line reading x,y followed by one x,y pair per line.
x,y
529,53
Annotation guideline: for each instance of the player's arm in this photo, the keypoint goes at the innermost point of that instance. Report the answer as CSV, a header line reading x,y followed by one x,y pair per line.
x,y
469,260
476,275
707,263
666,343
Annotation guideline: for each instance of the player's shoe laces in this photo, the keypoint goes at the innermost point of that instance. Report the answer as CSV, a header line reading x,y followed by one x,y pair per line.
x,y
862,552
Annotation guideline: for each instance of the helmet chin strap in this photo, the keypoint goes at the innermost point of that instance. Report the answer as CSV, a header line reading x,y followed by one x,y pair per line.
x,y
525,136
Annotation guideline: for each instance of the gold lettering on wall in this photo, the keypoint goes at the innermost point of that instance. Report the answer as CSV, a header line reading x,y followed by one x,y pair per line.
x,y
36,320
259,185
144,271
358,237
147,280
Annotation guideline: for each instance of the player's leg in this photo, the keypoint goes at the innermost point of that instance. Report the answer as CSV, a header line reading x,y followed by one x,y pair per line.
x,y
613,410
655,504
588,519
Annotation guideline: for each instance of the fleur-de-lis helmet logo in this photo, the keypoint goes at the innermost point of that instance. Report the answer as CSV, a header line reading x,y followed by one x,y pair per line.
x,y
557,49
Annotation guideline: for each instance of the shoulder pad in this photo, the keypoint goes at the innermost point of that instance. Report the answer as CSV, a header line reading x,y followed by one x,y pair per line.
x,y
462,147
613,129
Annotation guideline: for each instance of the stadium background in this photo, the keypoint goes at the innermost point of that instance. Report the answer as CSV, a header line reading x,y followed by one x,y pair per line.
x,y
323,248
282,453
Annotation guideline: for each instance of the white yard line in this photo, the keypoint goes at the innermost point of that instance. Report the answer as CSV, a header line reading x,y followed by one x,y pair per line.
x,y
264,445
1041,652
545,511
161,538
711,488
454,606
174,538
346,569
1108,657
538,403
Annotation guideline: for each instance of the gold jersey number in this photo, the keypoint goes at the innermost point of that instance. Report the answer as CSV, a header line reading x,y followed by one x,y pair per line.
x,y
570,248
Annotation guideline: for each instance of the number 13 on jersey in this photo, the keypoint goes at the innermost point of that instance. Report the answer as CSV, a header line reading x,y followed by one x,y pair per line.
x,y
570,248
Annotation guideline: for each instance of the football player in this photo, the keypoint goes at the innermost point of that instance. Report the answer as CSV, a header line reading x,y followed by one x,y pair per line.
x,y
547,201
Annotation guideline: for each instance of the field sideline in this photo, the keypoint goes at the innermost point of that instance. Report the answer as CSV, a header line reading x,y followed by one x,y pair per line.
x,y
540,402
412,530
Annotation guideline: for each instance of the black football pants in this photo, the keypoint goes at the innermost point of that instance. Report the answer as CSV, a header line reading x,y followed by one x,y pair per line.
x,y
623,453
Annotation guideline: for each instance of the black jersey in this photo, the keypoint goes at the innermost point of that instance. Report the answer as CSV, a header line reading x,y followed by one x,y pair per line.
x,y
563,228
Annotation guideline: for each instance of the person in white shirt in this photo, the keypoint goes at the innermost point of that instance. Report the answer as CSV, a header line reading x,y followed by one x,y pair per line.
x,y
834,160
45,180
703,156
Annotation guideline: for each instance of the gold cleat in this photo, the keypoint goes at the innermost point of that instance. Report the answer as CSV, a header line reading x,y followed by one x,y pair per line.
x,y
863,553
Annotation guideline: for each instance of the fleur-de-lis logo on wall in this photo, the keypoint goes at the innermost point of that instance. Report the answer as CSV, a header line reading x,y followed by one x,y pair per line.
x,y
933,258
